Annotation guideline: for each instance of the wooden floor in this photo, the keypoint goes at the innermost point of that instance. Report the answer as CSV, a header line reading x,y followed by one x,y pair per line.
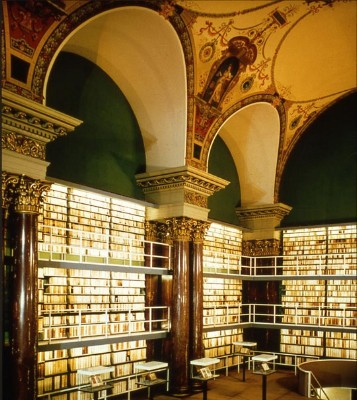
x,y
282,385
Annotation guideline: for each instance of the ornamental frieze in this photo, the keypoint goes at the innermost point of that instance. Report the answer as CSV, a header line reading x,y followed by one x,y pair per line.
x,y
195,199
185,177
257,248
23,145
23,118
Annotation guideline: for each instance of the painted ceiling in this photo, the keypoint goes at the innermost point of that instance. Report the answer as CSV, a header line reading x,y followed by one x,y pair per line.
x,y
255,72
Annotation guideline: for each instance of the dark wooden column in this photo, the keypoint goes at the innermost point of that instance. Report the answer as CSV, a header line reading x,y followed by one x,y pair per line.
x,y
23,294
196,350
180,315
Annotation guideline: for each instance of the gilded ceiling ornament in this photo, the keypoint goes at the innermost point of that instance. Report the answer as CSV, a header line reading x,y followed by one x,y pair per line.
x,y
207,51
167,9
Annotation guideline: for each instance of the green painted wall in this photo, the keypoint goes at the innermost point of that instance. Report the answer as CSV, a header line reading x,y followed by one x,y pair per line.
x,y
223,203
319,180
107,150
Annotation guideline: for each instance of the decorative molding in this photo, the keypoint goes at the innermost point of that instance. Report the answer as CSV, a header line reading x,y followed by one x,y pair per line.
x,y
249,217
23,145
255,248
28,125
190,185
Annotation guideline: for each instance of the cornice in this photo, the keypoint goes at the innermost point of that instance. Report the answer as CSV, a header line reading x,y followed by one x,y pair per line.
x,y
278,210
183,177
33,120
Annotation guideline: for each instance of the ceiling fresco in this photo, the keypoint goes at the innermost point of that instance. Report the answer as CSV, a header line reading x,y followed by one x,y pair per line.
x,y
297,57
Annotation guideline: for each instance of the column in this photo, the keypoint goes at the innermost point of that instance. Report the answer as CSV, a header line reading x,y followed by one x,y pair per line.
x,y
180,311
196,350
23,294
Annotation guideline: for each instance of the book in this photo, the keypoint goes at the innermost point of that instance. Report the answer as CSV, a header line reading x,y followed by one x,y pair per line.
x,y
95,380
205,373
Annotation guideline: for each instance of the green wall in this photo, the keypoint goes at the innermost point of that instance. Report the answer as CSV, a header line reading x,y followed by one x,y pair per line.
x,y
107,150
223,203
319,180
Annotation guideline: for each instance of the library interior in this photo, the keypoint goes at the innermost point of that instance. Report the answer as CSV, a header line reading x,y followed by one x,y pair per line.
x,y
178,199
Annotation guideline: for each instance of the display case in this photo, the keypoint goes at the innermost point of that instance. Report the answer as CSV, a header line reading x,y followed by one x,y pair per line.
x,y
203,369
92,380
246,351
264,364
152,373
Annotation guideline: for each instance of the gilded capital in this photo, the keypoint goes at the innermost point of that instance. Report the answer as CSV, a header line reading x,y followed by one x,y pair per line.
x,y
151,231
199,231
180,228
27,193
7,185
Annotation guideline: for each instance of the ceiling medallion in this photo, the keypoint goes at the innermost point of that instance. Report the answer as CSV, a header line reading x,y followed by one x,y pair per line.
x,y
295,122
207,51
247,84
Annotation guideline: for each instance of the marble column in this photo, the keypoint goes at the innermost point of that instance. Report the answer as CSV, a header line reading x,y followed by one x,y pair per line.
x,y
196,348
180,229
23,294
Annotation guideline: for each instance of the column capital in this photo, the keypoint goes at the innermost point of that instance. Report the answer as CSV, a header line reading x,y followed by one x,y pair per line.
x,y
181,191
23,192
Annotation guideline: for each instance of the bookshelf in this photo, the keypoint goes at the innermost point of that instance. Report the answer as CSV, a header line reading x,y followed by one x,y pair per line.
x,y
222,293
92,286
91,281
328,252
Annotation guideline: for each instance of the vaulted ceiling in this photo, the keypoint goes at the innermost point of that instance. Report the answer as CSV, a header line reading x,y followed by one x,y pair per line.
x,y
289,61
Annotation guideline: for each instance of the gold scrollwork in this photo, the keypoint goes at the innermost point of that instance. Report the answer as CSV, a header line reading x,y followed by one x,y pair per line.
x,y
268,247
22,145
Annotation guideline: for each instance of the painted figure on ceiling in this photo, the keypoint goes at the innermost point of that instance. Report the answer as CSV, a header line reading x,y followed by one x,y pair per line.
x,y
220,81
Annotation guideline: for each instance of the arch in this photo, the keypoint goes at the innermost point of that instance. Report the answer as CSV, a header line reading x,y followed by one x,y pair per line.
x,y
142,53
252,136
319,178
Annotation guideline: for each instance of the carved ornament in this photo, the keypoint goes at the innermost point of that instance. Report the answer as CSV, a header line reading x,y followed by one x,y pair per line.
x,y
255,248
26,194
28,126
196,185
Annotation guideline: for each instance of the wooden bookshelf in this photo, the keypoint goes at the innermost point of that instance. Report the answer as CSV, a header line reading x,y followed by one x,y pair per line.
x,y
221,295
83,228
324,251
